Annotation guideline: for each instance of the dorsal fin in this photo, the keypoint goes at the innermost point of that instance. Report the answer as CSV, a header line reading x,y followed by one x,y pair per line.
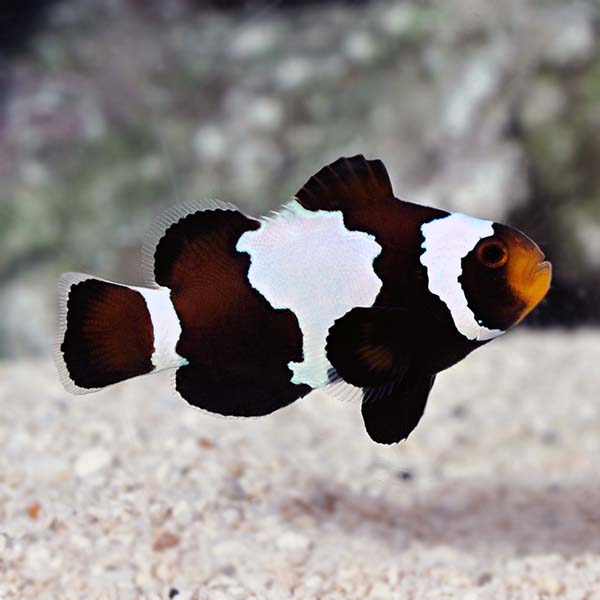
x,y
347,184
165,220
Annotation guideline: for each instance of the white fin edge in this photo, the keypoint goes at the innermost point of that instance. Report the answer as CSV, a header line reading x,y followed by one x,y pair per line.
x,y
65,283
166,219
342,391
346,392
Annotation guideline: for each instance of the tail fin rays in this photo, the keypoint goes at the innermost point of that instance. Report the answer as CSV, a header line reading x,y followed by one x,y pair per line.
x,y
105,333
65,283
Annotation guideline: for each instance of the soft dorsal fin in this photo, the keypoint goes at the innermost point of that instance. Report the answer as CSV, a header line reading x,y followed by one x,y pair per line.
x,y
347,184
171,216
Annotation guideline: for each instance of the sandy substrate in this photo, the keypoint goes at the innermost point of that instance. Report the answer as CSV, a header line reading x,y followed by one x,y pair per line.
x,y
133,494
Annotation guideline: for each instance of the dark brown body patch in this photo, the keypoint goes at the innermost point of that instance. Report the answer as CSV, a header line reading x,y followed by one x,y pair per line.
x,y
237,344
109,335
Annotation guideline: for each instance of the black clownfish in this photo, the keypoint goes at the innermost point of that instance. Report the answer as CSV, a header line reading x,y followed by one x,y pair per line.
x,y
346,288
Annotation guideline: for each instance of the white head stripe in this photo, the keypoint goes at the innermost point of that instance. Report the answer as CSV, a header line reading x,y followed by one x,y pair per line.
x,y
447,241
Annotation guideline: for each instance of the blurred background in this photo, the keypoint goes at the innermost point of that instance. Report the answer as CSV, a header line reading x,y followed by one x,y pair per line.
x,y
112,110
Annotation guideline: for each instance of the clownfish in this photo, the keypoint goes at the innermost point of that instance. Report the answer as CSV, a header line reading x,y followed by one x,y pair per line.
x,y
346,288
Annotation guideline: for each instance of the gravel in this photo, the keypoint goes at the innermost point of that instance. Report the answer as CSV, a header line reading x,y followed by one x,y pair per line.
x,y
130,493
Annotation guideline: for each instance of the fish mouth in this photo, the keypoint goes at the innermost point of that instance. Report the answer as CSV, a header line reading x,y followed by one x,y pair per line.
x,y
542,273
537,286
529,273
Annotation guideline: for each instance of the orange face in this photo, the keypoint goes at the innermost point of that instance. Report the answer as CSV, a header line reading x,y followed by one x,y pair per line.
x,y
505,277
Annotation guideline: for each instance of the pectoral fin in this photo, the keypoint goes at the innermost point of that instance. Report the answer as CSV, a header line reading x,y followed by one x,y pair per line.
x,y
370,347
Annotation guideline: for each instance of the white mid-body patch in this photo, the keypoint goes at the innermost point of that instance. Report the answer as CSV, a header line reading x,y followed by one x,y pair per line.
x,y
166,326
308,262
447,241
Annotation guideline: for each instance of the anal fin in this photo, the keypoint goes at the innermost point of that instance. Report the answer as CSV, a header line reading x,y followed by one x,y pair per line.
x,y
390,417
235,393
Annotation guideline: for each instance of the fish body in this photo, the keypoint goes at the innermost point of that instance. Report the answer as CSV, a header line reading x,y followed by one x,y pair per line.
x,y
346,288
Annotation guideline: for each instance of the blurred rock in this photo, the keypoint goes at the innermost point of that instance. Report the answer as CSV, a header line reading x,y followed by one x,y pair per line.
x,y
361,47
27,314
210,144
121,109
254,41
294,73
92,460
266,114
19,22
574,41
542,103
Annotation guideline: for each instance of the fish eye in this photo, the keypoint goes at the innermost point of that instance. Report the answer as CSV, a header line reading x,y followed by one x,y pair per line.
x,y
493,254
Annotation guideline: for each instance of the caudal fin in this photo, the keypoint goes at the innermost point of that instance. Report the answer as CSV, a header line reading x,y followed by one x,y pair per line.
x,y
105,333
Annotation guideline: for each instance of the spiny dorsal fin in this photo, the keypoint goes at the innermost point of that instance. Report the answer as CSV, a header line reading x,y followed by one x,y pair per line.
x,y
347,183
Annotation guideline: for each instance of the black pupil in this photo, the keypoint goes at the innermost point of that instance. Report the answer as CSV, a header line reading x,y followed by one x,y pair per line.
x,y
493,254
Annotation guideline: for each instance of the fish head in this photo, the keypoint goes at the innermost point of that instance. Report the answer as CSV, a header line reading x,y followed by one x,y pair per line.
x,y
505,277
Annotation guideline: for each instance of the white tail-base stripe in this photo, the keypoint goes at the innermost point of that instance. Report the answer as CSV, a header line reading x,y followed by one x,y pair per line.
x,y
166,326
